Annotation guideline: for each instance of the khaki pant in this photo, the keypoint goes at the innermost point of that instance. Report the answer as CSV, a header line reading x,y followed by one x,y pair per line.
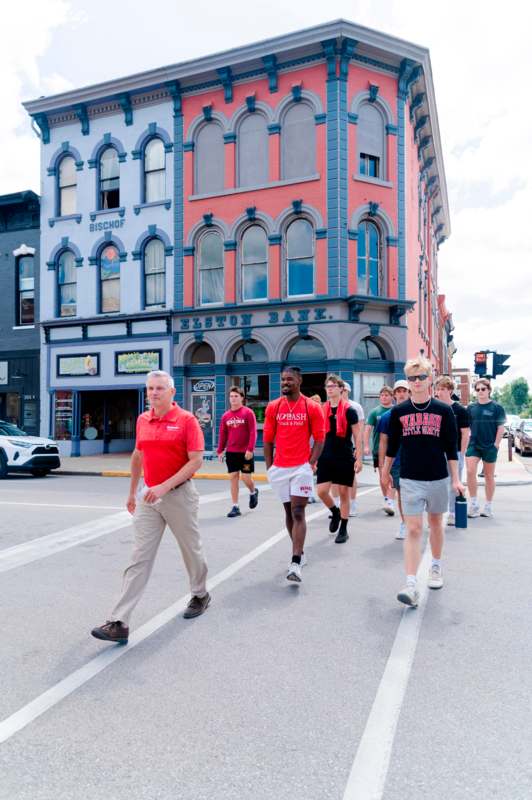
x,y
179,510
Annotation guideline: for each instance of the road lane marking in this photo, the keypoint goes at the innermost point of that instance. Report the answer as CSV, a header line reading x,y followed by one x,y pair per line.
x,y
58,505
45,546
367,778
28,713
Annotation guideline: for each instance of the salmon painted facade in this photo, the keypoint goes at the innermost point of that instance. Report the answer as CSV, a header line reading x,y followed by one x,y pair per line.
x,y
283,202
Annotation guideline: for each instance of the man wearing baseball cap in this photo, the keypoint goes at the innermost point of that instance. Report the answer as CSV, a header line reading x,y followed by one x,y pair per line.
x,y
401,392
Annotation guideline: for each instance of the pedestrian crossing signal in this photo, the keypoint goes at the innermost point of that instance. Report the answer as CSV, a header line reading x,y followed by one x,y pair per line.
x,y
480,362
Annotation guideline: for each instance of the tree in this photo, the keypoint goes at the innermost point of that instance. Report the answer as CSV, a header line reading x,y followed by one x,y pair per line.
x,y
514,397
519,391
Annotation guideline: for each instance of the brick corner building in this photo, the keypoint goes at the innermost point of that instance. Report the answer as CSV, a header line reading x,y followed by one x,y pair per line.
x,y
282,202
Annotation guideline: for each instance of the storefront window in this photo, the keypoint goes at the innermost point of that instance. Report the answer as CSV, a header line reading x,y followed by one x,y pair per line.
x,y
63,415
257,389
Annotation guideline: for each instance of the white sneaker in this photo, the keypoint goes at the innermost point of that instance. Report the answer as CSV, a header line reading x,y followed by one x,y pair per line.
x,y
294,573
388,507
435,580
401,533
409,596
451,520
353,508
304,561
488,511
473,511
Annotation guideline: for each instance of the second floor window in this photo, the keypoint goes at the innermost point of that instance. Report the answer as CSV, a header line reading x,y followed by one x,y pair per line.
x,y
25,291
66,285
109,279
211,268
369,165
300,258
369,259
67,186
209,159
254,264
154,273
154,171
109,177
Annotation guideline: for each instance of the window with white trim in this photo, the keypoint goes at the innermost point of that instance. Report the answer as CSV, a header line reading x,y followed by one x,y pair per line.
x,y
154,171
211,268
25,310
66,285
299,258
66,185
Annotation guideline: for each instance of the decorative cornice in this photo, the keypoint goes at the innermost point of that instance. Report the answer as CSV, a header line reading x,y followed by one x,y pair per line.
x,y
125,105
81,113
226,77
270,64
42,121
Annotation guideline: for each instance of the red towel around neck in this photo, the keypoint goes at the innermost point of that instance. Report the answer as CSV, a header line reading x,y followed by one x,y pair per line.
x,y
341,418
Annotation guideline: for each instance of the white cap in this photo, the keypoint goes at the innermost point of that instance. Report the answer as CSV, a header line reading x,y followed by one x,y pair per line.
x,y
347,386
400,385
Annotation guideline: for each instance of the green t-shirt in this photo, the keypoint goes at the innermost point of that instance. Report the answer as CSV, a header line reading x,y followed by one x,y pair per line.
x,y
373,418
485,419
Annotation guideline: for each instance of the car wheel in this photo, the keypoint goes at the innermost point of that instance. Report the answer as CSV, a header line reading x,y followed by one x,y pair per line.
x,y
3,465
516,448
40,473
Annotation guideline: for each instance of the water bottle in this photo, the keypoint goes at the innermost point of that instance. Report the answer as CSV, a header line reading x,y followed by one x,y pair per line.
x,y
460,511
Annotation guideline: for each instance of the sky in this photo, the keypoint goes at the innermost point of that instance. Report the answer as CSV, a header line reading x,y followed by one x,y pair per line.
x,y
481,62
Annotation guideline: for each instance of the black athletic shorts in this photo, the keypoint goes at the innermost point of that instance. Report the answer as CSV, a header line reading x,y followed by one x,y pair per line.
x,y
337,470
237,463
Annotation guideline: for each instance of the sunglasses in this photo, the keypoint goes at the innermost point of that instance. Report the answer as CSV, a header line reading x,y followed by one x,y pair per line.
x,y
414,378
482,389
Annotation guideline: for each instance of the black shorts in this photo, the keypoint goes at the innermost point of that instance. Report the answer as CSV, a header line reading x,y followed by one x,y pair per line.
x,y
336,470
237,463
375,460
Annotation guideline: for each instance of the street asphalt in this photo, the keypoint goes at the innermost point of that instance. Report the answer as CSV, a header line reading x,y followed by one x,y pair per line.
x,y
269,694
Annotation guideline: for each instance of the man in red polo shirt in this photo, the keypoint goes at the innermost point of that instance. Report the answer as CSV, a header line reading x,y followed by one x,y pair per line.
x,y
169,447
291,421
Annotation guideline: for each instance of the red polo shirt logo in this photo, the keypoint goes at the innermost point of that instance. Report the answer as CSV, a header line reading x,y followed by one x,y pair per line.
x,y
165,442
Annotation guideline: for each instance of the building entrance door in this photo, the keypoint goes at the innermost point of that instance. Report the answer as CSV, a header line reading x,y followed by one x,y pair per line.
x,y
108,421
314,383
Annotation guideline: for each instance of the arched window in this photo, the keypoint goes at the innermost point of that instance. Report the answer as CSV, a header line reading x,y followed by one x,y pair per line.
x,y
254,264
202,354
154,171
300,258
369,350
109,177
369,260
209,159
298,142
66,186
109,268
66,285
250,351
252,151
211,268
306,349
25,290
371,142
154,273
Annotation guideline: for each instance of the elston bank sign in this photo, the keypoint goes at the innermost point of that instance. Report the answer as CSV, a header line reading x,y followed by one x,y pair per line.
x,y
288,317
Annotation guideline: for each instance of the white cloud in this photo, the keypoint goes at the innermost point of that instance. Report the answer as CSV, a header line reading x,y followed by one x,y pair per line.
x,y
481,62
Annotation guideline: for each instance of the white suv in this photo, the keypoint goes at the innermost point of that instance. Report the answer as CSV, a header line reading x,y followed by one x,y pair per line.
x,y
22,453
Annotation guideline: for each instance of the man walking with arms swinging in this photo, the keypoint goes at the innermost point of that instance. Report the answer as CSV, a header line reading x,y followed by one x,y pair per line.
x,y
425,430
290,422
169,447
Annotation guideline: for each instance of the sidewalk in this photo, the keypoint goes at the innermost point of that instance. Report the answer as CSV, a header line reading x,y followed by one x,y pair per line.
x,y
116,465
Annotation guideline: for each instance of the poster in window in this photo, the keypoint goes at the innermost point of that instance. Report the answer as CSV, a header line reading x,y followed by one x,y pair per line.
x,y
138,362
78,365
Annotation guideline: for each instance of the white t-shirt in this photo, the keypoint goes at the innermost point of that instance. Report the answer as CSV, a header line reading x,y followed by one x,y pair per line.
x,y
358,408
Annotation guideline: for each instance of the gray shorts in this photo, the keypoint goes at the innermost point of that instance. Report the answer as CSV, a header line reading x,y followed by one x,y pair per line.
x,y
420,496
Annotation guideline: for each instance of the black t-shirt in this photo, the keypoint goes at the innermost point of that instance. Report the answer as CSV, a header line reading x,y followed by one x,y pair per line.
x,y
427,438
462,420
334,445
485,419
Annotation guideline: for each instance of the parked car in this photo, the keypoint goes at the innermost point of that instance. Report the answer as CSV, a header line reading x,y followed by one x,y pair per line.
x,y
512,421
523,437
22,453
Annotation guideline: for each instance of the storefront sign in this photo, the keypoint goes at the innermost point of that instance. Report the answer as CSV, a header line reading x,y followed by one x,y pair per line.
x,y
288,317
108,225
204,385
139,362
3,373
78,365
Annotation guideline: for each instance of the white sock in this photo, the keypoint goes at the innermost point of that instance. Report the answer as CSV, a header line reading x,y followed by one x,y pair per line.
x,y
487,504
474,501
411,580
436,562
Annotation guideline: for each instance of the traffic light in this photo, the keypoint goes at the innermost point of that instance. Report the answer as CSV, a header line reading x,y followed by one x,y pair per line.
x,y
480,362
498,364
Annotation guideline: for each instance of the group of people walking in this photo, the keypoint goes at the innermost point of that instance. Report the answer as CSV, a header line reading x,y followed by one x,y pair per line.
x,y
419,443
